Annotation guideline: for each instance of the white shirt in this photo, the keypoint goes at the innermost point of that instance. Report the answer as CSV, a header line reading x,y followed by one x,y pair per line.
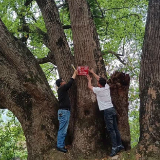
x,y
103,97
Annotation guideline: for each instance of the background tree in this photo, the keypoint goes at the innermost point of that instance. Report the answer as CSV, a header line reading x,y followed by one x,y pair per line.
x,y
149,85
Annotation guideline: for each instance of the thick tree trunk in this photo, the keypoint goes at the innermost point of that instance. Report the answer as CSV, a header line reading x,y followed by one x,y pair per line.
x,y
89,128
149,84
85,38
119,83
25,91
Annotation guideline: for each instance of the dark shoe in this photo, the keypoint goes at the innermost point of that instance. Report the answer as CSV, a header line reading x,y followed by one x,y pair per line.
x,y
62,150
120,148
114,152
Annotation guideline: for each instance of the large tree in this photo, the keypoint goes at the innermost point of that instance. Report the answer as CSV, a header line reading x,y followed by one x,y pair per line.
x,y
25,91
149,85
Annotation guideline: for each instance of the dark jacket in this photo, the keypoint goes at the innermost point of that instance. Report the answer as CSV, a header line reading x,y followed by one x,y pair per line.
x,y
64,102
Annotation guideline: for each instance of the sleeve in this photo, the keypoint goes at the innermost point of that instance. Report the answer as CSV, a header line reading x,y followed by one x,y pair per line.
x,y
69,84
106,86
96,90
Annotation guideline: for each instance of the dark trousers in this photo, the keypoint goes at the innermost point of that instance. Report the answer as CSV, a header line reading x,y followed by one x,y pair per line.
x,y
111,124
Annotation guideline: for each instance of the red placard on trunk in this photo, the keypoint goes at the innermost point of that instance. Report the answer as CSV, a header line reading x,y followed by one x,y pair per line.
x,y
82,70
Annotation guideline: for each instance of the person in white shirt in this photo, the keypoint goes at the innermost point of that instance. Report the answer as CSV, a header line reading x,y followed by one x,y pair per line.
x,y
105,104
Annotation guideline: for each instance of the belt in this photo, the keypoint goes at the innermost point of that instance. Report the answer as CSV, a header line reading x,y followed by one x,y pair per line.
x,y
65,109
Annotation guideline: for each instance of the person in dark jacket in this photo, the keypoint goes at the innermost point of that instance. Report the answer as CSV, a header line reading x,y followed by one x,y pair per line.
x,y
64,110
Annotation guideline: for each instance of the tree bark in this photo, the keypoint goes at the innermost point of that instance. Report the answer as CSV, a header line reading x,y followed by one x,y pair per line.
x,y
149,144
89,126
57,40
25,91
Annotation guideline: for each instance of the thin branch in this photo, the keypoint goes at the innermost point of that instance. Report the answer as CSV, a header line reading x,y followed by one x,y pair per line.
x,y
61,5
49,58
66,26
97,17
48,71
43,60
117,55
116,8
28,2
100,8
134,14
44,35
34,19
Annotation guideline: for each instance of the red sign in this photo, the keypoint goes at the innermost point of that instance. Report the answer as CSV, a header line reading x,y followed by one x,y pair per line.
x,y
82,70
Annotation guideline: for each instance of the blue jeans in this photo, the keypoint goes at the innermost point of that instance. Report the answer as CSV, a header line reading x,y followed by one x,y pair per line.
x,y
111,124
63,117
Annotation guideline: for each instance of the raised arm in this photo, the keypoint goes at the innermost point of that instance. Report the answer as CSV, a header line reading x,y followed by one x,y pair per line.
x,y
94,74
75,74
69,84
89,82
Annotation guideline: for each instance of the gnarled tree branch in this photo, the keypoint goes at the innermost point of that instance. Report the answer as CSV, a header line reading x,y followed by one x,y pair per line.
x,y
50,58
117,55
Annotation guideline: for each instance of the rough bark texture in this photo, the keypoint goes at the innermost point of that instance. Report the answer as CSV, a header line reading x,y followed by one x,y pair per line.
x,y
149,85
25,91
57,40
89,128
119,83
59,47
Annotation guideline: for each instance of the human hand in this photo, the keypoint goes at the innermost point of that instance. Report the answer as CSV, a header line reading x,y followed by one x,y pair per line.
x,y
89,78
91,70
75,72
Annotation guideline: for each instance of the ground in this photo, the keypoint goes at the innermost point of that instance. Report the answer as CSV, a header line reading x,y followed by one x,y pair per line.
x,y
125,155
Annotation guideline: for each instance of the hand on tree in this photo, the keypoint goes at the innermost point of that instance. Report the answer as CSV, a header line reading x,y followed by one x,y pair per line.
x,y
91,70
89,78
75,72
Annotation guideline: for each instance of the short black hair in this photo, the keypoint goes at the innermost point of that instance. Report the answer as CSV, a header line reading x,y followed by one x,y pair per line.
x,y
58,82
102,81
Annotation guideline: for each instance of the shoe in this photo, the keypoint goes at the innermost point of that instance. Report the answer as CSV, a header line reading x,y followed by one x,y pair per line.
x,y
114,152
62,150
120,148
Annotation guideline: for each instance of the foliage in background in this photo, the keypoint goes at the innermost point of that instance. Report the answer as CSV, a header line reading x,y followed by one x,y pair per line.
x,y
134,127
12,140
120,26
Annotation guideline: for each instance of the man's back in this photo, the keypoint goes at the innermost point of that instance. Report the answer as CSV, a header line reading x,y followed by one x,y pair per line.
x,y
103,97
